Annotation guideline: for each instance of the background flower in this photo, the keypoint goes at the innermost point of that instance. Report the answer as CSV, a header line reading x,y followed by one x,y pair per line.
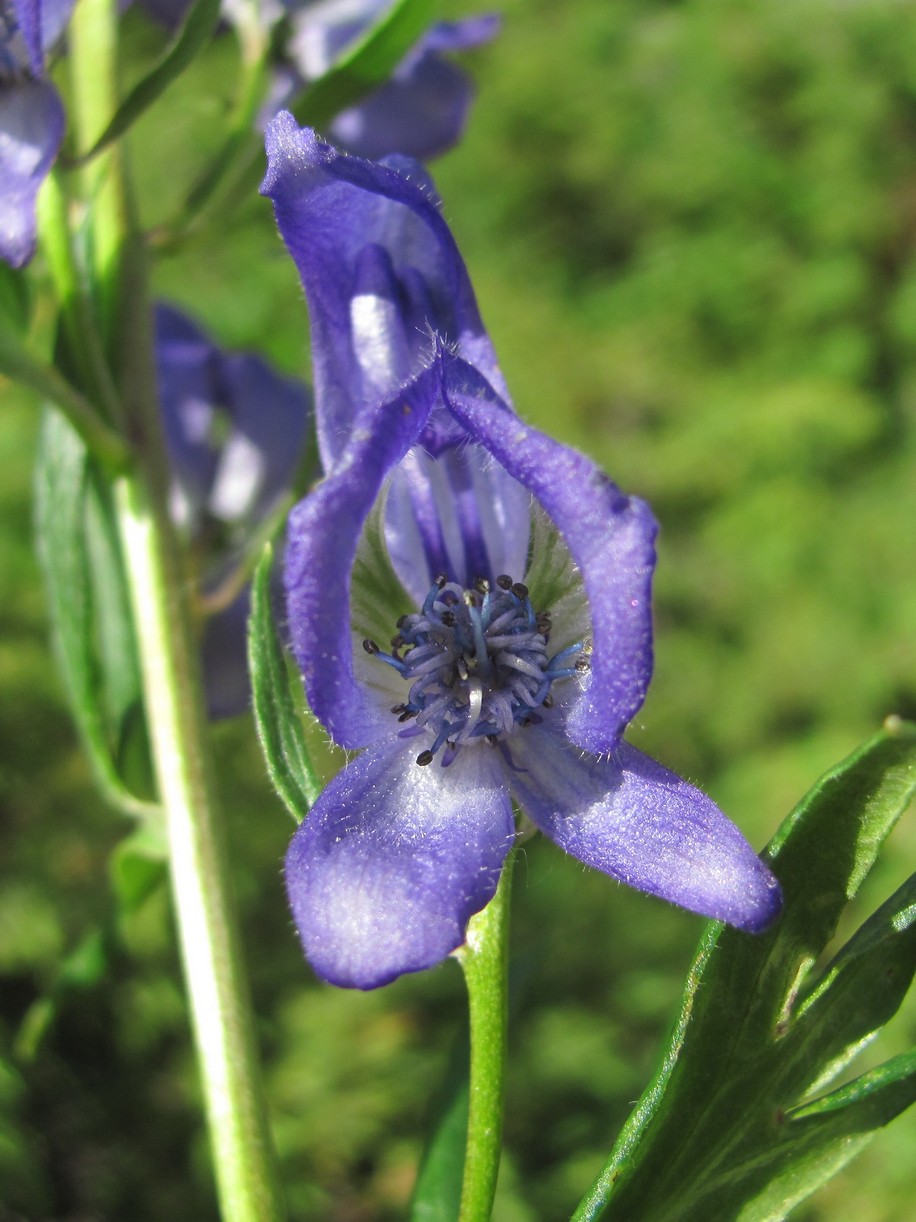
x,y
235,432
31,117
421,111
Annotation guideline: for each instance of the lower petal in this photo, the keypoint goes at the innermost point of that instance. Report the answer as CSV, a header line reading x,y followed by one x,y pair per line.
x,y
631,818
395,858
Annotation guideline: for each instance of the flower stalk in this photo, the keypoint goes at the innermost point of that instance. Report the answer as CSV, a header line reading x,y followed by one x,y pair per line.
x,y
484,959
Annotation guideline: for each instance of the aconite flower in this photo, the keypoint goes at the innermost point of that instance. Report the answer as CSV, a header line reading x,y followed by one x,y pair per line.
x,y
469,603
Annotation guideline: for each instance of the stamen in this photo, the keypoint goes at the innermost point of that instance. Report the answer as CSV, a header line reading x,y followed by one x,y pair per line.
x,y
477,664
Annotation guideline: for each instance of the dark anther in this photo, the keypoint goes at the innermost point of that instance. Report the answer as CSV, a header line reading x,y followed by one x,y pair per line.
x,y
582,665
406,715
399,708
520,591
492,739
547,702
481,585
370,647
424,758
449,618
544,622
397,641
504,581
401,621
440,580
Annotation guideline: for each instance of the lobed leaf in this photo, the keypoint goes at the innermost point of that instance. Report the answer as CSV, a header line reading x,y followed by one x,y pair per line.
x,y
725,1129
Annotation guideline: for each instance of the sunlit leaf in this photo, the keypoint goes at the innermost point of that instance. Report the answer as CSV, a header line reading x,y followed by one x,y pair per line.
x,y
755,1034
196,30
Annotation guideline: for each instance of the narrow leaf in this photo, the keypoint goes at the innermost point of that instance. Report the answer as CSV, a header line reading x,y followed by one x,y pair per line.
x,y
62,492
820,1139
196,30
437,1195
859,992
368,64
20,363
279,726
744,1052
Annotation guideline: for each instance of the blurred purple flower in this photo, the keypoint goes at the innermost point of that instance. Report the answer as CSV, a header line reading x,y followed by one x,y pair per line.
x,y
512,579
421,111
235,433
31,117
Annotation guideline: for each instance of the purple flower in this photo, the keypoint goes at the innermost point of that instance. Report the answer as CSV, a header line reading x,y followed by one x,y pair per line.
x,y
235,433
31,117
421,111
468,600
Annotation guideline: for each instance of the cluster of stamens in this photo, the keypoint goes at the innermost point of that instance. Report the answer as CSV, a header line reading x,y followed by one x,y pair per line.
x,y
477,663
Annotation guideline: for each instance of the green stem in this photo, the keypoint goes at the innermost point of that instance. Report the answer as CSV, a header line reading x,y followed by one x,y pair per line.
x,y
207,922
84,346
206,918
93,38
485,961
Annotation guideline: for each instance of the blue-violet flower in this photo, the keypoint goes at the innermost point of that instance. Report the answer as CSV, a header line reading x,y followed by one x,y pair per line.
x,y
31,117
235,433
421,110
468,600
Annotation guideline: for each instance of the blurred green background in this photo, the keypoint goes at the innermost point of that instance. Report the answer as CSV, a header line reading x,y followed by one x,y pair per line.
x,y
692,229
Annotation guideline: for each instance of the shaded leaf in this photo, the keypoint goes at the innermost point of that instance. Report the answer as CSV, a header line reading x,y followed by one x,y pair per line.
x,y
80,578
437,1194
279,726
14,298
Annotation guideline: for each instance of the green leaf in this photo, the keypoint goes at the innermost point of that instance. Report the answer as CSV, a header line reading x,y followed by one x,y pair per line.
x,y
859,992
14,298
727,1128
92,629
368,64
279,726
139,864
437,1194
83,968
196,30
